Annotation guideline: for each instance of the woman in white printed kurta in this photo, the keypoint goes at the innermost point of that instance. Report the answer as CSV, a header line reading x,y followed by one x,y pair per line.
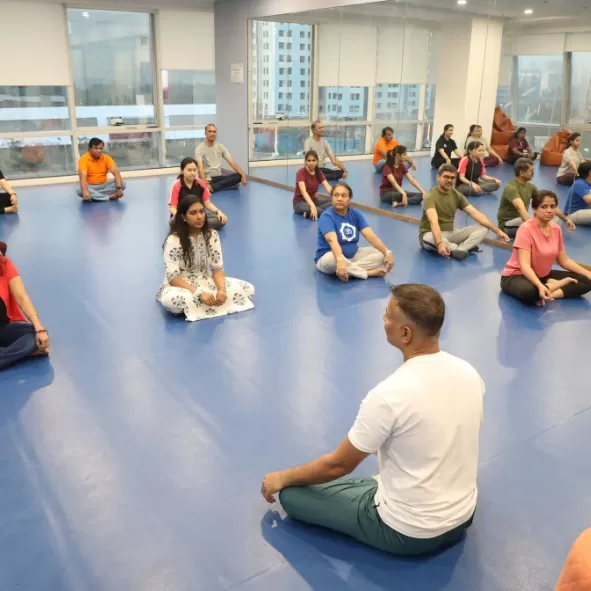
x,y
208,293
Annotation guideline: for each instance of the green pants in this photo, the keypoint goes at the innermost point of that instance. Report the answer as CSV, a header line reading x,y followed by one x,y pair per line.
x,y
348,506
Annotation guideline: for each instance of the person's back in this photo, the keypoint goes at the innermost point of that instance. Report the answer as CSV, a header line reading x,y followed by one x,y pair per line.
x,y
432,407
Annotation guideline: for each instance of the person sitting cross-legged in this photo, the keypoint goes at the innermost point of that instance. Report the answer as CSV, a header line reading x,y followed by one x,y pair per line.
x,y
210,156
424,496
308,181
578,202
93,169
472,178
437,232
338,250
528,275
318,144
8,198
394,171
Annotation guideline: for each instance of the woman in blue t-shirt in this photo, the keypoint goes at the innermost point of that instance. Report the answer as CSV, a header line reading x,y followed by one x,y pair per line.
x,y
338,250
578,203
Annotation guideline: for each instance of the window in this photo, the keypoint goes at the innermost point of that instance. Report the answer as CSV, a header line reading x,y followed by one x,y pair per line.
x,y
580,89
281,57
280,107
281,71
354,109
189,97
289,83
302,95
289,47
355,96
266,46
281,83
289,96
332,106
112,66
302,59
280,95
288,71
302,34
303,84
265,95
302,71
400,106
289,33
281,46
281,33
302,46
539,81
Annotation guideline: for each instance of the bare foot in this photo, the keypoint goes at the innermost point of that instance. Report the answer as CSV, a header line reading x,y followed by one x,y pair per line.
x,y
381,272
114,197
40,353
555,285
540,303
11,209
395,204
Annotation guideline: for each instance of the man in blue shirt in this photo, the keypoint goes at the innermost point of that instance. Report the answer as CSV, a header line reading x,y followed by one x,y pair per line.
x,y
578,203
338,250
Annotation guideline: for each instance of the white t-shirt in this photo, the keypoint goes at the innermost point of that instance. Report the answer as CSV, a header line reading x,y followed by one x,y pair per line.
x,y
424,422
320,147
212,158
570,155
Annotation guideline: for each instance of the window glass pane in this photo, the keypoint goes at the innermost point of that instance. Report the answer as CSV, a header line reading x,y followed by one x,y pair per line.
x,y
405,133
539,89
397,101
112,67
342,103
37,157
182,143
580,89
272,142
189,97
346,140
131,151
33,108
430,95
279,66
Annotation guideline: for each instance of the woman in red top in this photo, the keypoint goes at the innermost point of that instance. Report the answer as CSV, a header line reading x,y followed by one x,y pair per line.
x,y
528,276
472,178
308,181
393,173
188,183
19,338
519,147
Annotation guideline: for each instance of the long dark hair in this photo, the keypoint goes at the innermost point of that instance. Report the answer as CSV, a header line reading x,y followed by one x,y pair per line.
x,y
518,131
472,146
184,163
572,138
391,155
181,229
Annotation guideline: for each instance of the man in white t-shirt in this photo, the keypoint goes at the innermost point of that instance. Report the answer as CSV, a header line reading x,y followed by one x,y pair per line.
x,y
321,147
210,156
424,423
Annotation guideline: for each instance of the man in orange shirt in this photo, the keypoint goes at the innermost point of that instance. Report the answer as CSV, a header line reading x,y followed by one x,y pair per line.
x,y
386,143
93,168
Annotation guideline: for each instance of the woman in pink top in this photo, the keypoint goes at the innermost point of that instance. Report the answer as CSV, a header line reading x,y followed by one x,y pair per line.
x,y
528,276
308,181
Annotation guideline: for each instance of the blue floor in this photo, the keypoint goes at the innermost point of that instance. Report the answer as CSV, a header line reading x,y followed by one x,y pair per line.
x,y
366,188
131,459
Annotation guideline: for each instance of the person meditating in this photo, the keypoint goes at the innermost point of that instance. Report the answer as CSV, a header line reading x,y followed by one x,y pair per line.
x,y
444,148
338,250
578,203
93,169
472,178
195,284
318,144
386,144
423,422
393,173
491,158
436,231
188,183
308,181
519,147
571,159
210,156
21,332
8,198
528,275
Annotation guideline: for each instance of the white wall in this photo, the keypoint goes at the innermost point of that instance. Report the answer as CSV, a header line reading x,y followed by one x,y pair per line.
x,y
33,45
540,43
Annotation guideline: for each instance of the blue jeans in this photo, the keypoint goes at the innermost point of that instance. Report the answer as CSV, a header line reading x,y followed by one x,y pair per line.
x,y
17,342
379,165
101,192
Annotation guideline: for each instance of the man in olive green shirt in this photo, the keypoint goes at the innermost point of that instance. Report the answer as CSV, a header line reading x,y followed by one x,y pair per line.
x,y
514,204
437,232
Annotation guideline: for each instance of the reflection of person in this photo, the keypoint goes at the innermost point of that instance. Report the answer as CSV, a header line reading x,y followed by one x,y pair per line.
x,y
578,203
519,147
318,144
571,159
386,144
8,198
394,171
472,177
424,496
187,183
93,168
444,148
210,156
491,158
195,284
338,250
528,275
21,332
308,181
437,232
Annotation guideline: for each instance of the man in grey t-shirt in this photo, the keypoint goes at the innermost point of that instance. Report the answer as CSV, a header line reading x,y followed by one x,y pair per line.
x,y
210,156
321,147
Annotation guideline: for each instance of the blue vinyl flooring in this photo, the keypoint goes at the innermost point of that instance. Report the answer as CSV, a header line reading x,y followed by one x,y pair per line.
x,y
131,459
366,183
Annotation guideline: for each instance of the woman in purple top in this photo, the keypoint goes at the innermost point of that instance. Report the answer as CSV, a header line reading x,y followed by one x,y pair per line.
x,y
519,147
308,181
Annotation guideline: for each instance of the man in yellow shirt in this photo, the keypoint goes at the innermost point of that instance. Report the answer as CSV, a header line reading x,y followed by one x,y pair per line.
x,y
93,168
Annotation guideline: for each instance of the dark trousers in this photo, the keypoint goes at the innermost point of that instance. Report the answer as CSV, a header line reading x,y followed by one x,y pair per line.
x,y
491,161
437,161
4,201
225,182
512,158
17,342
302,207
566,179
332,174
414,198
519,287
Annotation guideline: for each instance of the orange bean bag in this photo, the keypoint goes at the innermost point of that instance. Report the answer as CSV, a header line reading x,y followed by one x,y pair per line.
x,y
502,131
576,574
502,151
32,155
554,149
501,122
500,138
